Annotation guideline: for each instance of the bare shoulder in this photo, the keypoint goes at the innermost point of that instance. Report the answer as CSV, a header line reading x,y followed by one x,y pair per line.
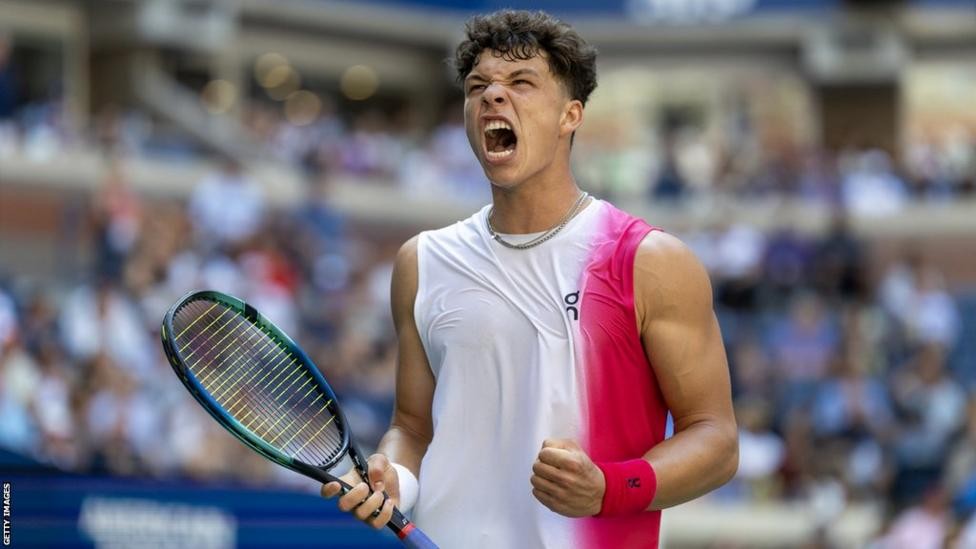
x,y
403,290
405,263
669,278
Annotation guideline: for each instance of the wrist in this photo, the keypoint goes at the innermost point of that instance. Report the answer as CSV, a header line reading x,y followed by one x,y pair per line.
x,y
630,487
409,487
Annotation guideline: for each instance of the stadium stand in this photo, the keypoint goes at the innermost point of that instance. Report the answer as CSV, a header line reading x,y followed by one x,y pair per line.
x,y
834,206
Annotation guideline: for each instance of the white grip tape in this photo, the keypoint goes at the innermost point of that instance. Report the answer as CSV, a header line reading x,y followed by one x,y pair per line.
x,y
409,487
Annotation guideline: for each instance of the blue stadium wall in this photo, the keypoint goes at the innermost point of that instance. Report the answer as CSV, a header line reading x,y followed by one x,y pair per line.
x,y
50,508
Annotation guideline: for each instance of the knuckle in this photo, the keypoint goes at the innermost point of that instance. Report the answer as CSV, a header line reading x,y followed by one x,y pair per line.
x,y
352,498
365,511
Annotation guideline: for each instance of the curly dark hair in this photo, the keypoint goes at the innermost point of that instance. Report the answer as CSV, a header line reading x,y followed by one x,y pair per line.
x,y
513,34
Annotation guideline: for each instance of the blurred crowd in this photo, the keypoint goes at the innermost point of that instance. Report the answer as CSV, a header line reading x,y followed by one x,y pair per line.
x,y
686,162
844,381
83,382
391,142
390,146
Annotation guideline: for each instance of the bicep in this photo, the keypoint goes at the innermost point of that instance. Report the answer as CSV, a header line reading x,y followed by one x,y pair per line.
x,y
414,380
680,333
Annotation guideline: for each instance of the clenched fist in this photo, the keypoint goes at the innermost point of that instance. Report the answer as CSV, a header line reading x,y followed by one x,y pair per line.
x,y
566,480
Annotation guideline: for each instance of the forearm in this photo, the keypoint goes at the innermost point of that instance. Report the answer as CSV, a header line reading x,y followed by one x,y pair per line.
x,y
404,446
696,460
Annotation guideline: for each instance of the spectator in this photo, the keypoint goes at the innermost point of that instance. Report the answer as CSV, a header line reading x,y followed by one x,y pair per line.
x,y
117,218
967,535
19,378
761,451
933,407
960,474
101,319
869,185
51,407
8,319
850,404
852,418
924,526
786,262
839,261
670,184
802,347
228,207
8,83
915,293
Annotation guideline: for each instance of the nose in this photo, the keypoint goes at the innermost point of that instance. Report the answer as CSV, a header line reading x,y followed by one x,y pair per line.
x,y
494,93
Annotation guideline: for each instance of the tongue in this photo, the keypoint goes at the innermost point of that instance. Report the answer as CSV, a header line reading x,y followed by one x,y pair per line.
x,y
504,140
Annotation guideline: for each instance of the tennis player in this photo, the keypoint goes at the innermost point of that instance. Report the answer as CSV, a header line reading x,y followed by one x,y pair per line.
x,y
543,340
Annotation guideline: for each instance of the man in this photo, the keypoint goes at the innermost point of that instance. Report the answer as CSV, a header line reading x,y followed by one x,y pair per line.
x,y
543,340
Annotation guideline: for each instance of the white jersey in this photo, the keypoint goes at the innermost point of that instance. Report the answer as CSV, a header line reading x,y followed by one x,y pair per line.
x,y
495,327
527,345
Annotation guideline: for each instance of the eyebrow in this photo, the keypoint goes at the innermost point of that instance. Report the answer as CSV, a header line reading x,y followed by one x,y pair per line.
x,y
518,72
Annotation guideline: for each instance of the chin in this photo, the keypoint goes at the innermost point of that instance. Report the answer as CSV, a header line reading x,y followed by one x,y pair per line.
x,y
503,179
504,185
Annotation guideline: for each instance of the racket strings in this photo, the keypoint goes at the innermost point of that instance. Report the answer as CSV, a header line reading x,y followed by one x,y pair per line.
x,y
208,372
257,381
282,393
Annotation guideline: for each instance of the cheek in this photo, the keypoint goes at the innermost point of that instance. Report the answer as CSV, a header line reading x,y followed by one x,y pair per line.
x,y
545,129
470,126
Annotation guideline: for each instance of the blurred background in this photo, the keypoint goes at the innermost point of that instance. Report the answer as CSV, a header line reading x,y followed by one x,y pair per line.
x,y
818,155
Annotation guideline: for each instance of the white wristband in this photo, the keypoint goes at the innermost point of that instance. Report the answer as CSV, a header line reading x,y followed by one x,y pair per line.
x,y
409,487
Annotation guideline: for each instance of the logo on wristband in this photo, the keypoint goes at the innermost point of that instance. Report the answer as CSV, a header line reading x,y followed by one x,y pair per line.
x,y
630,487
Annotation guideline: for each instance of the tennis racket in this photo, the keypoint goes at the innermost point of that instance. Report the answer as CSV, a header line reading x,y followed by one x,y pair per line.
x,y
258,384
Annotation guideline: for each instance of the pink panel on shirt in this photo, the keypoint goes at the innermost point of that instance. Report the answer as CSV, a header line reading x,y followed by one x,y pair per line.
x,y
624,413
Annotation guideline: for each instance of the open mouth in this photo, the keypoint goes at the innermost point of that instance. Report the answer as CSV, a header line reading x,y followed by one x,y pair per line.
x,y
500,140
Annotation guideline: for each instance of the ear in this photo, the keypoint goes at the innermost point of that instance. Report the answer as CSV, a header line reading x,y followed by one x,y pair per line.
x,y
572,118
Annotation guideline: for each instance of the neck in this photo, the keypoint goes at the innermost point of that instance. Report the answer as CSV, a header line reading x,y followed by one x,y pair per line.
x,y
532,206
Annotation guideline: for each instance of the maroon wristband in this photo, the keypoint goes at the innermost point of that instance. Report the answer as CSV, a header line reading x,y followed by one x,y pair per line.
x,y
631,486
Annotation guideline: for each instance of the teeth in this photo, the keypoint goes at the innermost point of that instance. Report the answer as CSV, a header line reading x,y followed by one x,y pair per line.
x,y
498,155
497,125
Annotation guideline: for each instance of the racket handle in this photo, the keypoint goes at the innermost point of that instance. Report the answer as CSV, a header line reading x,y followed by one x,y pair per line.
x,y
414,538
410,535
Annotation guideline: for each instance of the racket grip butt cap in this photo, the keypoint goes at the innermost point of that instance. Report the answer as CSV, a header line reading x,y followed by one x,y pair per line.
x,y
413,538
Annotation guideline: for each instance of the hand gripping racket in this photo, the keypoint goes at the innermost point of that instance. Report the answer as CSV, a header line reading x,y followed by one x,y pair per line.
x,y
257,383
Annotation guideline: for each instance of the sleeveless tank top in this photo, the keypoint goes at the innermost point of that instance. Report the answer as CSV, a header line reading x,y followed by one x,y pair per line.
x,y
526,345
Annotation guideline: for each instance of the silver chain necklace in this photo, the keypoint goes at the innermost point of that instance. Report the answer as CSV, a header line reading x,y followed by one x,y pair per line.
x,y
541,238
